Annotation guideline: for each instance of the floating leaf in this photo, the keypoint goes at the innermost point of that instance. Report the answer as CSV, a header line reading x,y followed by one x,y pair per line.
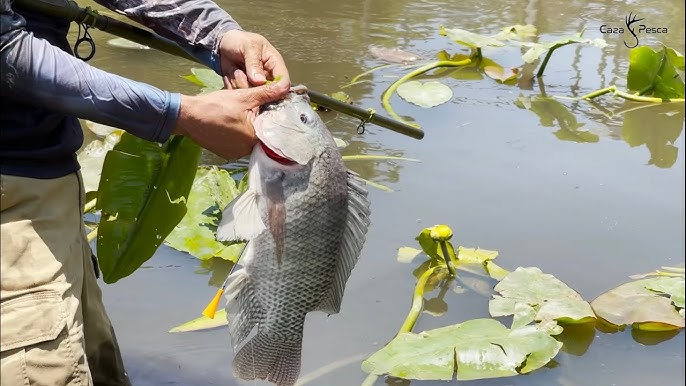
x,y
142,196
407,254
393,55
551,298
501,74
203,323
537,49
212,190
517,32
647,304
476,349
92,158
125,43
655,72
475,255
205,78
470,39
428,94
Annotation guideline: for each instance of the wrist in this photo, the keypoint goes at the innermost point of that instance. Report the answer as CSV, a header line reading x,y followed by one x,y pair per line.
x,y
186,117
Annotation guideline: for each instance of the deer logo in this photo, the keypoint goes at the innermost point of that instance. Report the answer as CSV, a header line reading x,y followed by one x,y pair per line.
x,y
629,20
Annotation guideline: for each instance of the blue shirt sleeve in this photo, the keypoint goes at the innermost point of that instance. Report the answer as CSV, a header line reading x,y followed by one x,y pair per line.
x,y
38,73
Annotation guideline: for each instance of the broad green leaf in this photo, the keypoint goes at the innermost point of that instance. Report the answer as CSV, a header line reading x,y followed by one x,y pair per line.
x,y
125,43
203,323
470,39
193,79
476,349
207,78
551,298
517,32
644,304
92,158
537,49
142,196
475,255
503,75
658,128
212,190
655,72
427,94
407,254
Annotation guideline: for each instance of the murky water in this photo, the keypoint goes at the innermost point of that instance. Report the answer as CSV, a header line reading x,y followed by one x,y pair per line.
x,y
592,213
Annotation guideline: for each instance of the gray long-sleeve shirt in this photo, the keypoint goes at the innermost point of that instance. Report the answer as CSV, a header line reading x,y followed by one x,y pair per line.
x,y
44,89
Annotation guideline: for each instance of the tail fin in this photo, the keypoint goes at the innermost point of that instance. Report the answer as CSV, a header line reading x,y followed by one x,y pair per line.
x,y
269,357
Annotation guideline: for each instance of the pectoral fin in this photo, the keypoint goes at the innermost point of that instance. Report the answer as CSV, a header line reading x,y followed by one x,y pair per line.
x,y
241,219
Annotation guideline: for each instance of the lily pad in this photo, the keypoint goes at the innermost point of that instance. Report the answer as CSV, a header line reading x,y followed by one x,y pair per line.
x,y
654,304
655,72
205,78
501,74
476,349
203,323
428,94
212,190
470,39
407,254
547,295
517,32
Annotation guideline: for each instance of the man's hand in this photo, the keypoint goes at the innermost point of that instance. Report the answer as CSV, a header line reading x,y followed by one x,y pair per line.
x,y
221,121
253,55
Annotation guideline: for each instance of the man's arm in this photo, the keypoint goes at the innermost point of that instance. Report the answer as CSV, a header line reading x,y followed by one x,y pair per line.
x,y
38,73
197,26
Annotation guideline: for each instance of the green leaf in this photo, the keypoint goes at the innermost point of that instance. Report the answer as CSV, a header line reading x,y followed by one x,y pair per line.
x,y
517,32
142,196
407,254
470,39
428,94
502,75
193,79
203,323
551,298
92,158
475,255
537,49
212,190
648,304
655,72
208,78
476,349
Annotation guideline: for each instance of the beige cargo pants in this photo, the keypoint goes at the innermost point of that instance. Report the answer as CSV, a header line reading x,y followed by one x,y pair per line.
x,y
54,329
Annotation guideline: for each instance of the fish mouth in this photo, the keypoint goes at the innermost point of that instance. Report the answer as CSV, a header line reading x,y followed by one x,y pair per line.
x,y
275,155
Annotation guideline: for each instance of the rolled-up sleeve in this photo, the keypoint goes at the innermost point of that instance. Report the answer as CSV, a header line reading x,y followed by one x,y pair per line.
x,y
38,73
197,26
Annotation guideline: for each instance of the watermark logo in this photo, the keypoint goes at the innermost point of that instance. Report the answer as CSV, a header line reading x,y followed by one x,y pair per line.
x,y
631,22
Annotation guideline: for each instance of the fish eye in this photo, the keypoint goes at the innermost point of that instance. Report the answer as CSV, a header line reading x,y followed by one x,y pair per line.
x,y
303,118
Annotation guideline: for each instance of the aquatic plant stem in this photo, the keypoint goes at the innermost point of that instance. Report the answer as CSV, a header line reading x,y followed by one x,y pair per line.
x,y
412,316
386,97
547,57
631,97
447,257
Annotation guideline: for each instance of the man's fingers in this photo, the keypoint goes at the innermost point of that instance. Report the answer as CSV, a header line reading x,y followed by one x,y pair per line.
x,y
253,63
257,96
241,79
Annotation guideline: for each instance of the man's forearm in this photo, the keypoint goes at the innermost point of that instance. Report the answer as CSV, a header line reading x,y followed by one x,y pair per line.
x,y
37,73
197,25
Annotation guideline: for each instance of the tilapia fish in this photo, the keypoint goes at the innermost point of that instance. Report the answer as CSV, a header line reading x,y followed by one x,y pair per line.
x,y
305,217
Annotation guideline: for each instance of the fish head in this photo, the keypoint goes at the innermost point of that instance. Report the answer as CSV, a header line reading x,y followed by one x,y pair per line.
x,y
290,131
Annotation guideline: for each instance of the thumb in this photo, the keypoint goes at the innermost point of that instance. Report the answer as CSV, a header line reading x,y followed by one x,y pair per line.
x,y
257,96
253,64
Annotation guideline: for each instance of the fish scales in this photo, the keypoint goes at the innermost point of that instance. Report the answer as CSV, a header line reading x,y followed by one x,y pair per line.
x,y
305,218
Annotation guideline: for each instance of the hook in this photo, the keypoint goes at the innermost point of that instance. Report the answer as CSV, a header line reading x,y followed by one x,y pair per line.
x,y
360,127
